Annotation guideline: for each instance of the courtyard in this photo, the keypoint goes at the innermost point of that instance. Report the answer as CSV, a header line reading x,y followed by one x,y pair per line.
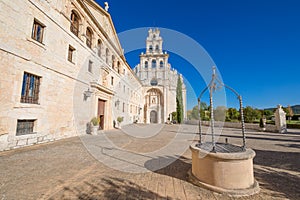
x,y
120,165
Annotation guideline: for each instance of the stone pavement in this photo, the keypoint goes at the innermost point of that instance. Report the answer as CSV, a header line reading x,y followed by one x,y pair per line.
x,y
69,169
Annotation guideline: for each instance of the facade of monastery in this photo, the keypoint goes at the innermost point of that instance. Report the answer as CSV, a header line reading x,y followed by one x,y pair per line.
x,y
62,64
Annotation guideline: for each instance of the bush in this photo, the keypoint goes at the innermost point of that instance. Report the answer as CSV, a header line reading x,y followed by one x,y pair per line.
x,y
120,119
95,121
293,126
295,117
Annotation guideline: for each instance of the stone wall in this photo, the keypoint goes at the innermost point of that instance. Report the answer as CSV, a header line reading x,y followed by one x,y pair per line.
x,y
249,126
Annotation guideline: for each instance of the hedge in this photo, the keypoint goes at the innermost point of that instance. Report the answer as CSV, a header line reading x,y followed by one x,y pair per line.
x,y
293,126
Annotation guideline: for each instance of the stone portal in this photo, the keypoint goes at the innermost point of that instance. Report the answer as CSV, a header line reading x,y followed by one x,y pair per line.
x,y
101,109
153,116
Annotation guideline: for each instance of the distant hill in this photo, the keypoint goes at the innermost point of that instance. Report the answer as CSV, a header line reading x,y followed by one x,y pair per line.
x,y
295,108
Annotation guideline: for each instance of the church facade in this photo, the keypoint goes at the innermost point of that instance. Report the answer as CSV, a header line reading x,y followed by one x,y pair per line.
x,y
159,81
62,65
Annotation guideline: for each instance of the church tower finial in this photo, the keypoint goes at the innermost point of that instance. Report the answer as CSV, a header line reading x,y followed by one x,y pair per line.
x,y
154,42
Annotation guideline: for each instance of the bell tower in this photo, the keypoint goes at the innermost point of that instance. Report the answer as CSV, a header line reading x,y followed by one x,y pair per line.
x,y
158,79
154,42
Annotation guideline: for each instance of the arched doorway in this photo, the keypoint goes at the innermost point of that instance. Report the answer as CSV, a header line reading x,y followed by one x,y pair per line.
x,y
153,116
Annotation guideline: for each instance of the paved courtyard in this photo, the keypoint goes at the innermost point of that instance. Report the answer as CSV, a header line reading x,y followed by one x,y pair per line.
x,y
116,165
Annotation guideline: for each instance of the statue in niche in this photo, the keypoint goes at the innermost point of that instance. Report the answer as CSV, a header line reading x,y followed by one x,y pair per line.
x,y
153,101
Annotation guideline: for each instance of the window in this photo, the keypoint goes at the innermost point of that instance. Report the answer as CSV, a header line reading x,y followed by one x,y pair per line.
x,y
153,63
90,67
99,46
123,107
106,55
124,71
37,31
157,48
146,64
89,37
25,127
150,48
71,53
161,64
30,88
124,88
112,80
74,23
119,67
113,61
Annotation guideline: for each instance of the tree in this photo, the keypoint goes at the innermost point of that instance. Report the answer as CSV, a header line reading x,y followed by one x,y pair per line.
x,y
251,114
179,101
289,112
220,113
268,114
233,114
195,111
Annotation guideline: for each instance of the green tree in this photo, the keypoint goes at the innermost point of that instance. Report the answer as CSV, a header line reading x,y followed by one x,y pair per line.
x,y
232,114
179,101
251,114
220,113
268,114
195,111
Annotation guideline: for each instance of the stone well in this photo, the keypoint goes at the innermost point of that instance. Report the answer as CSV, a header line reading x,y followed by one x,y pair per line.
x,y
230,172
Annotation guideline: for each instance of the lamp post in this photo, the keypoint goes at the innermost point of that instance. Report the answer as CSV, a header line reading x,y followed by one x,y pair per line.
x,y
87,93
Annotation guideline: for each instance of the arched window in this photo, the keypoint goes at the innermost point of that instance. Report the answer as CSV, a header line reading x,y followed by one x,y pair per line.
x,y
157,48
89,37
106,55
161,64
119,67
74,23
146,64
113,61
150,48
99,47
153,63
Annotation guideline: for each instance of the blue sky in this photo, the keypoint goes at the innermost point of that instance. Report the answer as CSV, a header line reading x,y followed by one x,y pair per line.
x,y
255,44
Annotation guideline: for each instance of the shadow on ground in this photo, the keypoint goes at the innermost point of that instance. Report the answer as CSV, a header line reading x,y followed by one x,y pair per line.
x,y
279,172
277,159
106,189
177,168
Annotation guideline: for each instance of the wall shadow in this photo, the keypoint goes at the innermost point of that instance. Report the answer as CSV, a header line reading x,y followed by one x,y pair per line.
x,y
284,184
272,172
277,159
106,189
